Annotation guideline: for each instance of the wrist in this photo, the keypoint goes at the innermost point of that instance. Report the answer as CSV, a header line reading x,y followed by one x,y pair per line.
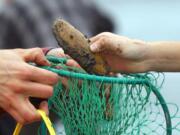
x,y
163,57
142,55
152,57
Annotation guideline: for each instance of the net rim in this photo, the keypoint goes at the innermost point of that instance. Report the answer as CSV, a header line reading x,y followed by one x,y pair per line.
x,y
107,79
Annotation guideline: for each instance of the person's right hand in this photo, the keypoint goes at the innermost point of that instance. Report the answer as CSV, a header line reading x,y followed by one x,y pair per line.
x,y
120,53
19,81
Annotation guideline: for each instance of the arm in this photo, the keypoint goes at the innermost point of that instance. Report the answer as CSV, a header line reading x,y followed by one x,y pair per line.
x,y
131,56
164,56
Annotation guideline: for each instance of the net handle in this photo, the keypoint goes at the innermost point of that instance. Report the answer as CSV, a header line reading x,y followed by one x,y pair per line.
x,y
46,121
164,107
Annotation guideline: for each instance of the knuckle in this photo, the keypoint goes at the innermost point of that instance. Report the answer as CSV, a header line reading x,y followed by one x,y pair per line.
x,y
18,89
19,73
37,49
8,97
15,87
106,33
103,40
33,70
28,117
25,72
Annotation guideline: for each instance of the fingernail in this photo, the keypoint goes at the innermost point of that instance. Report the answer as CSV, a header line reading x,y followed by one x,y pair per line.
x,y
93,47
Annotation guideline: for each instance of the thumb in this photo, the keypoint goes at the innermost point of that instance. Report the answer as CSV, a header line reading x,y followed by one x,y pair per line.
x,y
97,46
103,42
94,47
101,45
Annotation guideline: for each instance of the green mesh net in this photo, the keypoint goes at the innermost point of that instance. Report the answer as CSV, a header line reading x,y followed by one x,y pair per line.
x,y
99,105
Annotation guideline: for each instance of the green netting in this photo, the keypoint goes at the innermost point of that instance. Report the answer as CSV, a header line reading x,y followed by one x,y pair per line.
x,y
99,105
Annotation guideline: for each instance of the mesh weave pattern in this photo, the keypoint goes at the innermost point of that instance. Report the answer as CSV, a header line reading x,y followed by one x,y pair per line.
x,y
97,105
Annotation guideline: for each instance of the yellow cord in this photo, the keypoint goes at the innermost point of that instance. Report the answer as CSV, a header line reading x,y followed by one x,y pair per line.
x,y
17,129
45,119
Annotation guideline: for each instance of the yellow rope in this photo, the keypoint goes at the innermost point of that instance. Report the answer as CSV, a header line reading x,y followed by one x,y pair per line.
x,y
45,119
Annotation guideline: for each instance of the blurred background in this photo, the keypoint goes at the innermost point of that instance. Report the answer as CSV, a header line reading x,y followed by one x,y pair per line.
x,y
149,20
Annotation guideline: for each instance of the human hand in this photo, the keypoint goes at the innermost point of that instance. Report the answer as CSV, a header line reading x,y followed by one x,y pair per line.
x,y
59,52
121,53
19,81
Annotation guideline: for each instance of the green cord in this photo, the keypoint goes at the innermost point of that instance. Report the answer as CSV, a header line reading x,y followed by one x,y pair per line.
x,y
132,107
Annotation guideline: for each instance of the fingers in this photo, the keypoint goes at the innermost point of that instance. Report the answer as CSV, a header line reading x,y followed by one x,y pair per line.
x,y
44,106
21,109
25,71
32,89
72,63
37,90
97,37
33,55
26,80
41,75
31,115
23,114
102,42
103,34
16,115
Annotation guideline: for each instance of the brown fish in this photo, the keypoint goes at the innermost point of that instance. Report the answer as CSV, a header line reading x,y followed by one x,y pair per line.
x,y
76,45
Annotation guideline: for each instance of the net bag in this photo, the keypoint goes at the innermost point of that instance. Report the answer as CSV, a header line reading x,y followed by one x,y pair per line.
x,y
100,105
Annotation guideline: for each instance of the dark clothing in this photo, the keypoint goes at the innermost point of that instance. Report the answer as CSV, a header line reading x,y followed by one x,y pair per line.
x,y
28,23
